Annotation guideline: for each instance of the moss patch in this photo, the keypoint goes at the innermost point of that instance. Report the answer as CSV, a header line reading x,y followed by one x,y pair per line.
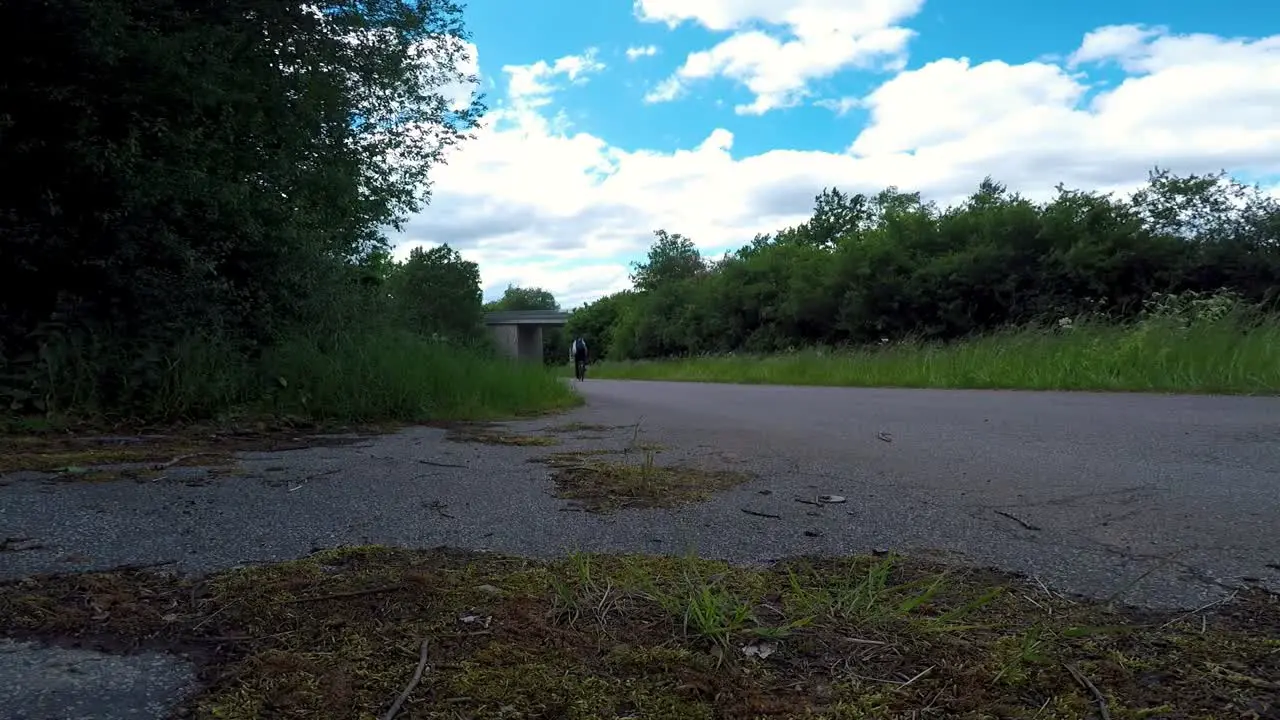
x,y
494,435
581,427
144,456
337,635
635,480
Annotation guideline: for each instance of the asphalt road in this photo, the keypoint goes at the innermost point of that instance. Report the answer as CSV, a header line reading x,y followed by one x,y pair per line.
x,y
1154,500
1092,490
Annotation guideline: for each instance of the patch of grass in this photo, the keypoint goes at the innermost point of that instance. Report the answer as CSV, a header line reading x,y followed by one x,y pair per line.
x,y
492,435
402,377
601,485
1227,356
375,374
581,427
87,458
337,635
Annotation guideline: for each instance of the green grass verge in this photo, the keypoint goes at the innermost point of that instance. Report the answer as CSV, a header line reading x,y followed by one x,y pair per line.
x,y
375,375
340,634
1224,357
405,378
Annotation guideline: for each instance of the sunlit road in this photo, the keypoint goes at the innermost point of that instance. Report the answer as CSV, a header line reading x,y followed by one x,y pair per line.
x,y
1094,487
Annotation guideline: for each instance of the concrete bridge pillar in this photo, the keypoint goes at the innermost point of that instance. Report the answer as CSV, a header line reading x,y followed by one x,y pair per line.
x,y
518,334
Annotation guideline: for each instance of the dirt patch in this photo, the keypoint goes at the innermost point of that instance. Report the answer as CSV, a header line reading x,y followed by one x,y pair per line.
x,y
603,481
494,435
339,634
581,427
148,456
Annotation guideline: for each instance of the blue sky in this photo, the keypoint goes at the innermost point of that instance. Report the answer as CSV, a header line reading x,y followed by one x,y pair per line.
x,y
584,158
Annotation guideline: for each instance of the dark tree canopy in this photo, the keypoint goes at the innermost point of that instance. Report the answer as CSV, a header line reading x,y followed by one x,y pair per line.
x,y
225,169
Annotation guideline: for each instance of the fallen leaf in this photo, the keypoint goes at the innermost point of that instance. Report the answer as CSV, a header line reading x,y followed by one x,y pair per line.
x,y
761,650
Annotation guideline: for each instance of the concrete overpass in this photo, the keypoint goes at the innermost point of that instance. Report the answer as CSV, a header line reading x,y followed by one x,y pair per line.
x,y
518,333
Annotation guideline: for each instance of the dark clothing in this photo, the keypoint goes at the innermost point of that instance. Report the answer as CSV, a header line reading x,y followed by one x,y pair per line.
x,y
579,359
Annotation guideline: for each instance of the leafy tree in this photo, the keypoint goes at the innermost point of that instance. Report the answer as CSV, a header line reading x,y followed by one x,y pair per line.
x,y
518,298
437,293
890,265
179,173
672,258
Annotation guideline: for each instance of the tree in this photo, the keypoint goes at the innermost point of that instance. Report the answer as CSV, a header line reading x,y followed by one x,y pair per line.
x,y
891,265
437,293
176,170
518,298
671,258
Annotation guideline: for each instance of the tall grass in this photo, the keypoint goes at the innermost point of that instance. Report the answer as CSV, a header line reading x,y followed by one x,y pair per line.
x,y
1235,354
375,374
396,375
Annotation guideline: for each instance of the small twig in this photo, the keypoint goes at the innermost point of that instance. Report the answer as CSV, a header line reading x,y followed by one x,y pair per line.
x,y
10,544
439,508
1033,602
864,641
919,675
343,595
1087,684
1164,562
141,566
1200,609
417,677
440,464
1017,519
180,458
1242,679
309,478
763,515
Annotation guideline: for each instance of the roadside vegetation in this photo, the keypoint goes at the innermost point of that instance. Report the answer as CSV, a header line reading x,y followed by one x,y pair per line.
x,y
1175,288
378,633
194,213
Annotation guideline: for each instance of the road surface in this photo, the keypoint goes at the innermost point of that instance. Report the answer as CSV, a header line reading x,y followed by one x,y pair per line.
x,y
1155,500
1090,489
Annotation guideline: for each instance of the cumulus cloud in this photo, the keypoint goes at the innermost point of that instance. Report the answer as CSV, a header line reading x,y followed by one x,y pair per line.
x,y
537,202
532,85
634,53
802,40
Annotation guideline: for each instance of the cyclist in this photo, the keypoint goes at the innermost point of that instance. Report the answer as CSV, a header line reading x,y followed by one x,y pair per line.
x,y
578,352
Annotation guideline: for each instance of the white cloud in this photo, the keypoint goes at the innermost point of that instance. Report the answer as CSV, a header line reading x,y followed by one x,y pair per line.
x,y
533,84
819,38
634,53
840,106
538,203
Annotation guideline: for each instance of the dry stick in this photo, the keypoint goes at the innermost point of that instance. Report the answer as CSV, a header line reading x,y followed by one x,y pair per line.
x,y
1016,519
417,677
763,515
441,464
1200,609
1088,685
918,676
180,458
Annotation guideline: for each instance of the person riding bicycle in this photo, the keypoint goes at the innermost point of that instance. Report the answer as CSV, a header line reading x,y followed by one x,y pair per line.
x,y
579,354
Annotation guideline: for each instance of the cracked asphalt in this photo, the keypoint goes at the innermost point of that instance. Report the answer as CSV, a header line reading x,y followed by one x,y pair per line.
x,y
1164,501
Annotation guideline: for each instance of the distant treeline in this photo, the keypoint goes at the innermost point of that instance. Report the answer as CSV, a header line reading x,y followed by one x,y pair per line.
x,y
866,268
